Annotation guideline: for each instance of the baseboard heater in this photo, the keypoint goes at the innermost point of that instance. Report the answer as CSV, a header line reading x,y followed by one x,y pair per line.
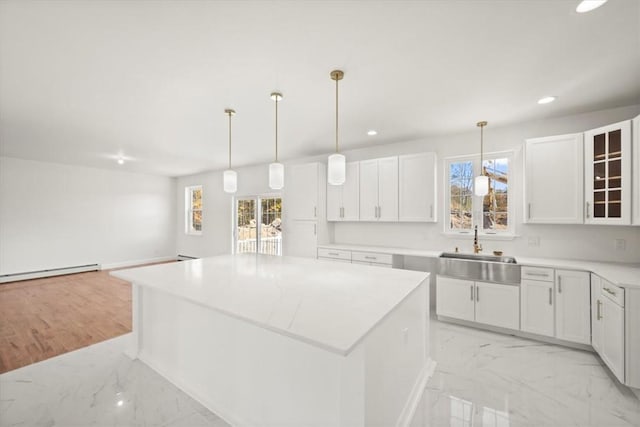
x,y
185,257
15,277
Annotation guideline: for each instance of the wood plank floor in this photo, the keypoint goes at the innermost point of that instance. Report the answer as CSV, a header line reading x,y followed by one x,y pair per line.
x,y
42,318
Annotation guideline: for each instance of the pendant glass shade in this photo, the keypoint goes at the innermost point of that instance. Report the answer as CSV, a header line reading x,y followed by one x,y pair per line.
x,y
481,185
230,178
337,169
276,176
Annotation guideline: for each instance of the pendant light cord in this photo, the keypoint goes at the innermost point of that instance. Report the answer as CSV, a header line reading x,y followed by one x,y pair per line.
x,y
276,128
336,115
229,139
481,149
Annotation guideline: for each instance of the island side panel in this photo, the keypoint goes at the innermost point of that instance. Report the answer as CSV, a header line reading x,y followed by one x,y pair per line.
x,y
247,374
397,364
133,346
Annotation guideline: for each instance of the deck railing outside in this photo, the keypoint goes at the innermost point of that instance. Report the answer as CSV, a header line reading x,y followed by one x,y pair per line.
x,y
268,245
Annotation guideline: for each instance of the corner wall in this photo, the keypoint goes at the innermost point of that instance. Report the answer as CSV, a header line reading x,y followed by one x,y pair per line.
x,y
54,216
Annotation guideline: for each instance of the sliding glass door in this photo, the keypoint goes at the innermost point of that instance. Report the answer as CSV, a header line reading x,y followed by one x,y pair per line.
x,y
258,225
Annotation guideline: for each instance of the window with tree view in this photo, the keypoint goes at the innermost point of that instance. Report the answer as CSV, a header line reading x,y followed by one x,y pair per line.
x,y
491,212
193,214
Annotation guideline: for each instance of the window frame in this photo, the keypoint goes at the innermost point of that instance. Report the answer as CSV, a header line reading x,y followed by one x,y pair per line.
x,y
476,201
258,199
188,197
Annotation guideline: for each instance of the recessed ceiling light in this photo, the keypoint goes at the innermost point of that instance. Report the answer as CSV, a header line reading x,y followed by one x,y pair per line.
x,y
589,5
121,161
372,132
546,100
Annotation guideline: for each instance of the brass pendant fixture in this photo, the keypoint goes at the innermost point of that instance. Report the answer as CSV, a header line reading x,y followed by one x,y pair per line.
x,y
481,184
276,169
336,166
230,177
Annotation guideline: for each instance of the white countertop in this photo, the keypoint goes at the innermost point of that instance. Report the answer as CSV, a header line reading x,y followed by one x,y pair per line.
x,y
621,274
333,306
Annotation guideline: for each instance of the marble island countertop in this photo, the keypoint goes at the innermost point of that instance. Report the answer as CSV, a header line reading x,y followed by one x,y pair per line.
x,y
622,274
333,307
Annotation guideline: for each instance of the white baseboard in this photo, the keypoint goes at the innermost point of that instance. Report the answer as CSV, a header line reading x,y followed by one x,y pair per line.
x,y
137,262
16,277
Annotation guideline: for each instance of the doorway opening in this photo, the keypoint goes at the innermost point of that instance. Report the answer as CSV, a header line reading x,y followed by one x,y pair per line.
x,y
258,225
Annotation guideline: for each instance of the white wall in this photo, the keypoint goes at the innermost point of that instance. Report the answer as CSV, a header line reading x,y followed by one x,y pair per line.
x,y
54,215
566,241
217,208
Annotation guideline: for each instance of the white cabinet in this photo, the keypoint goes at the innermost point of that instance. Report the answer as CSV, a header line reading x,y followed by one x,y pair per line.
x,y
607,174
301,191
455,298
536,307
379,189
554,186
596,313
417,187
573,302
487,303
329,253
304,223
498,305
635,187
612,350
343,203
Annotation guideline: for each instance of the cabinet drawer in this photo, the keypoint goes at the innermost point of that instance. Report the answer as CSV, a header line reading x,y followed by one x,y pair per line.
x,y
372,257
334,253
538,273
613,292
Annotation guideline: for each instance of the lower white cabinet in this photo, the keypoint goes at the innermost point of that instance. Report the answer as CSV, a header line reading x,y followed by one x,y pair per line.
x,y
455,298
355,257
536,307
488,303
607,320
573,306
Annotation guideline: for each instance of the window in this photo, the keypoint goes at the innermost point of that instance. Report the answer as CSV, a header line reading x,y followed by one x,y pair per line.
x,y
491,213
258,225
193,211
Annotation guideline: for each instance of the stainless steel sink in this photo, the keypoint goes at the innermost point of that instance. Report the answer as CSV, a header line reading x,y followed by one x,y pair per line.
x,y
482,268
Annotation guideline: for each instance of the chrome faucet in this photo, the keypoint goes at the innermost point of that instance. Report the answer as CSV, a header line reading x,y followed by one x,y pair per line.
x,y
476,247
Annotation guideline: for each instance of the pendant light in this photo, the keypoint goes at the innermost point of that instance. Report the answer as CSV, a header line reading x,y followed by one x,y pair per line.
x,y
276,170
336,173
230,177
481,185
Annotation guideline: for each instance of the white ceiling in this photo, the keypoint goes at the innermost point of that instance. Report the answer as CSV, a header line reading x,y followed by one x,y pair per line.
x,y
85,82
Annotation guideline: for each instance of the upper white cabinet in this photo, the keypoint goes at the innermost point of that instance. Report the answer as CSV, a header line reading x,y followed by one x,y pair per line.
x,y
301,189
607,174
554,180
417,187
635,187
379,189
573,306
343,203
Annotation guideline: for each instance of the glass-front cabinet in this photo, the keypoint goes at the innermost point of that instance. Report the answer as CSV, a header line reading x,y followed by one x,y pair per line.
x,y
608,174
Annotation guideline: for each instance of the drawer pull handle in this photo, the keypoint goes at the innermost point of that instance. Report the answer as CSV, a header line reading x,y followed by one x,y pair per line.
x,y
477,294
550,296
610,291
471,292
529,273
599,313
334,253
370,257
559,284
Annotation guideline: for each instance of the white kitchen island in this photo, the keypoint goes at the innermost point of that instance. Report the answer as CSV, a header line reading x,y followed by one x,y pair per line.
x,y
283,341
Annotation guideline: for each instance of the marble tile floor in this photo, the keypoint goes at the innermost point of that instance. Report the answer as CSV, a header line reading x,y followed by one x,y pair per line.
x,y
482,379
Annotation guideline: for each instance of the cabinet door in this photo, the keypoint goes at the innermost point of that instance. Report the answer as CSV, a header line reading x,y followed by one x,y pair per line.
x,y
351,193
301,191
388,189
573,303
613,337
635,188
299,238
536,307
334,202
369,190
554,184
498,305
417,187
455,298
596,313
607,174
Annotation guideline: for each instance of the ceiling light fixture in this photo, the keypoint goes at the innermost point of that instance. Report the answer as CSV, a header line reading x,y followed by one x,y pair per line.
x,y
481,185
372,132
337,168
230,177
120,161
589,5
546,100
276,170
